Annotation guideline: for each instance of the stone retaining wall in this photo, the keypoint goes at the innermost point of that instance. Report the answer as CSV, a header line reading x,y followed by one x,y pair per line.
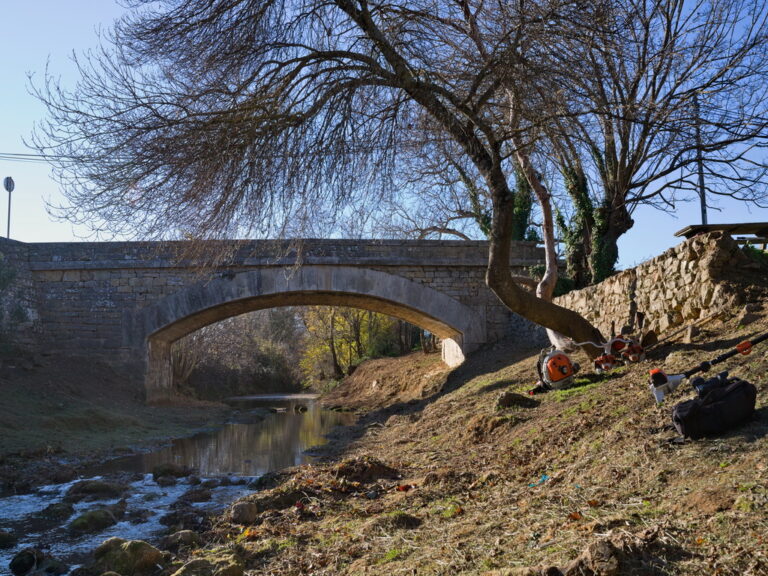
x,y
683,284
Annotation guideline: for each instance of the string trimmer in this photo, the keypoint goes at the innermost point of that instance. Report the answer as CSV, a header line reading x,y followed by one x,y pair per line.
x,y
662,384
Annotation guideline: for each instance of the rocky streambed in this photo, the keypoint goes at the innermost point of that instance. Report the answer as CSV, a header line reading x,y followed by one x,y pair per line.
x,y
143,507
56,528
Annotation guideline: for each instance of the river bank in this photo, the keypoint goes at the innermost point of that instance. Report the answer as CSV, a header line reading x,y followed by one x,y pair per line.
x,y
591,480
61,414
441,476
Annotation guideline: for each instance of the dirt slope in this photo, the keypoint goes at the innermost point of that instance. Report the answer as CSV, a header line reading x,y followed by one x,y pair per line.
x,y
587,479
386,381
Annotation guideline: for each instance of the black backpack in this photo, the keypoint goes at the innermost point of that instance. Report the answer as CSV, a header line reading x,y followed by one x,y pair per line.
x,y
718,409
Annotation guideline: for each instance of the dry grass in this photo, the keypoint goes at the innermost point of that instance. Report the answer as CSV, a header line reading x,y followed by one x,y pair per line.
x,y
483,490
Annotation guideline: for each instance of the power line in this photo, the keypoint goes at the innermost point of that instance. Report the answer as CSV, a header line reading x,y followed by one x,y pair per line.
x,y
28,158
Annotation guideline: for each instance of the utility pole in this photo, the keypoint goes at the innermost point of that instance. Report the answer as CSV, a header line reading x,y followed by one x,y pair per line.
x,y
699,160
9,185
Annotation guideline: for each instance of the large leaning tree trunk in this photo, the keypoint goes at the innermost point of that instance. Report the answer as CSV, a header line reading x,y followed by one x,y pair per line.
x,y
517,299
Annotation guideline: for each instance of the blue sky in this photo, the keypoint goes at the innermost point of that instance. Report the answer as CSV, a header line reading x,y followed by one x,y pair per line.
x,y
36,32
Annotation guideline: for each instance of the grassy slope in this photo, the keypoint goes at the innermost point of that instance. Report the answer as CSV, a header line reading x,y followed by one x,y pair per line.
x,y
533,485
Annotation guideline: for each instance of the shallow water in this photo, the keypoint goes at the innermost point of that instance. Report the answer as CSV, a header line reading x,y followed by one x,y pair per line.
x,y
255,443
252,445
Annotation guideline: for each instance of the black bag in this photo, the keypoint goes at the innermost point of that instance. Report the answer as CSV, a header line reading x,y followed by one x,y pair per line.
x,y
720,409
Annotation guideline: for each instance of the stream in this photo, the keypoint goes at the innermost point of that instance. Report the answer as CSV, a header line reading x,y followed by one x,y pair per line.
x,y
267,433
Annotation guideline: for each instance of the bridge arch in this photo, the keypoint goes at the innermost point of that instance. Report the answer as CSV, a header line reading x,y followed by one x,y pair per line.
x,y
152,330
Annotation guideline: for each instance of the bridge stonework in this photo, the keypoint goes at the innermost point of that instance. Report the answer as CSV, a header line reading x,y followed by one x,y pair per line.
x,y
127,302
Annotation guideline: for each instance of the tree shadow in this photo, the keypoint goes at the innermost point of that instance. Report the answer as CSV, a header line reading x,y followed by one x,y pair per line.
x,y
340,440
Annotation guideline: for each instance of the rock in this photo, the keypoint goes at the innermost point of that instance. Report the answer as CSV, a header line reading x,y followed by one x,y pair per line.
x,y
139,516
244,512
165,481
265,481
184,519
26,561
61,474
7,540
58,511
170,469
181,538
197,495
127,557
225,565
51,567
94,490
98,519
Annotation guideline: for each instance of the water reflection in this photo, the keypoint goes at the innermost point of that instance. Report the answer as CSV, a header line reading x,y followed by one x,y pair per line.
x,y
271,442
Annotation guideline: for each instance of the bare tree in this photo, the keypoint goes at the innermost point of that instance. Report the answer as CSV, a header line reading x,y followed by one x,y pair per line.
x,y
242,117
660,86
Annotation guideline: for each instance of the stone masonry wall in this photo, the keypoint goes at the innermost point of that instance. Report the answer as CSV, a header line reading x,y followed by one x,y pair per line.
x,y
683,284
83,290
18,302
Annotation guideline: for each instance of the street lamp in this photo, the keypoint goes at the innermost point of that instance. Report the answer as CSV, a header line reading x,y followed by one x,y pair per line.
x,y
9,185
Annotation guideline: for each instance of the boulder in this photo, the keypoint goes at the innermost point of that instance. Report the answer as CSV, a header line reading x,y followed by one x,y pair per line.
x,y
181,538
170,469
197,495
98,519
601,558
127,557
57,512
244,512
51,567
94,490
25,561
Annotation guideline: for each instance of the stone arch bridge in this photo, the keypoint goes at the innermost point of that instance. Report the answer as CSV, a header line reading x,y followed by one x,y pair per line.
x,y
127,302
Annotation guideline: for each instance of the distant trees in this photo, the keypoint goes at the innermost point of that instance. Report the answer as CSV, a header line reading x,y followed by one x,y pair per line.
x,y
250,353
278,117
658,87
339,338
